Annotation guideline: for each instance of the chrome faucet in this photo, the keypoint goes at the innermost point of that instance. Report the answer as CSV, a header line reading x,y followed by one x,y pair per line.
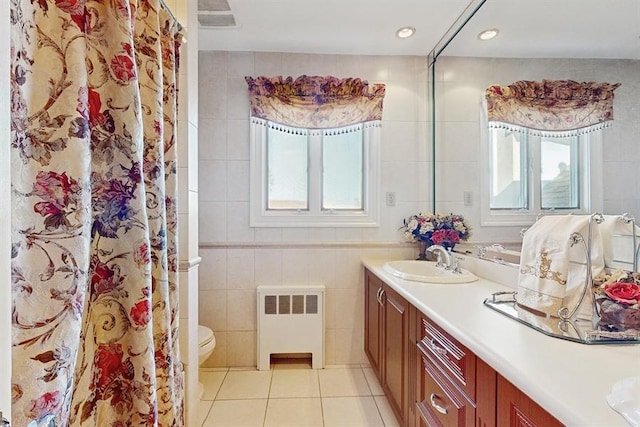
x,y
446,255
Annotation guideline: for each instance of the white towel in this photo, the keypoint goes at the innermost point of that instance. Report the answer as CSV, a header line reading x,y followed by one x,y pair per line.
x,y
552,272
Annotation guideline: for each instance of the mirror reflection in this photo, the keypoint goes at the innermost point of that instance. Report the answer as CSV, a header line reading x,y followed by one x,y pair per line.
x,y
579,40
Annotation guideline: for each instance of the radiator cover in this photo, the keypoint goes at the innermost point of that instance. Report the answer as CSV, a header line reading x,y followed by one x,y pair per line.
x,y
290,320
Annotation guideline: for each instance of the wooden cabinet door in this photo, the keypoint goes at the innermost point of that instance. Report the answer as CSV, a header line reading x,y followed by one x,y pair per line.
x,y
486,384
373,321
516,409
395,359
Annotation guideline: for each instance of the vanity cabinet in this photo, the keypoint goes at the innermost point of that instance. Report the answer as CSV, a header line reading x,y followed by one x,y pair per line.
x,y
516,409
429,378
387,342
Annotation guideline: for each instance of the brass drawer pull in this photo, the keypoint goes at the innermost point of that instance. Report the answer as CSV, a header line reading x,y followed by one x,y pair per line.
x,y
437,407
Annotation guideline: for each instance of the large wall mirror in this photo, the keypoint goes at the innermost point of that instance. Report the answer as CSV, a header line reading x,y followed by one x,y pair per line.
x,y
580,40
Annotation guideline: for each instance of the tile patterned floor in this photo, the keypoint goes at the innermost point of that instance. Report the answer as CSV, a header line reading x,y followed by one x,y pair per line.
x,y
292,394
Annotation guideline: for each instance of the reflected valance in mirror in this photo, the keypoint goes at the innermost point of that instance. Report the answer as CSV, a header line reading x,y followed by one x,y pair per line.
x,y
550,105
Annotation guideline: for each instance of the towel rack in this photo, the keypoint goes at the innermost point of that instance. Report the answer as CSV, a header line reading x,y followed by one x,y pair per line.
x,y
627,218
568,325
565,313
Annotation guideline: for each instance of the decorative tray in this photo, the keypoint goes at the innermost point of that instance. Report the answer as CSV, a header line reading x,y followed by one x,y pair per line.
x,y
577,329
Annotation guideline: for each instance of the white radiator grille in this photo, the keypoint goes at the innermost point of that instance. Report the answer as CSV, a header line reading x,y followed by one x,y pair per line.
x,y
290,320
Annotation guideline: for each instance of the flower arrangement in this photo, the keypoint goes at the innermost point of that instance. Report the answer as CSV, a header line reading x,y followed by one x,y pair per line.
x,y
617,295
436,229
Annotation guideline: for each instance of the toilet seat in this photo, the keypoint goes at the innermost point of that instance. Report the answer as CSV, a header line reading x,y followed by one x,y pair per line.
x,y
205,335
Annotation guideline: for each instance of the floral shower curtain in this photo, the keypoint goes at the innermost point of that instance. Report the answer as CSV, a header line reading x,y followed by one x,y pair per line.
x,y
94,217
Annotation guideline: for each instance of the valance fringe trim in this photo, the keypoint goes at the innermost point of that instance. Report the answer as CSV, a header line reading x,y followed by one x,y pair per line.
x,y
548,133
302,131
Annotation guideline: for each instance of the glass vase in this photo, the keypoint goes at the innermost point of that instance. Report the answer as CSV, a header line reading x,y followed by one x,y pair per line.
x,y
422,251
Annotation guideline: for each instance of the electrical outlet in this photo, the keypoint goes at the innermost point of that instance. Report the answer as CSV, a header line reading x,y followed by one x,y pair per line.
x,y
468,198
391,198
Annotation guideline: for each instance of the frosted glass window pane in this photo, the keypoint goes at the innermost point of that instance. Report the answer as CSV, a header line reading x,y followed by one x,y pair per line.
x,y
508,170
342,169
287,168
559,176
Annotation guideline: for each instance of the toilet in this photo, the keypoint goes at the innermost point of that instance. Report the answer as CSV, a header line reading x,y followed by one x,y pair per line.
x,y
206,343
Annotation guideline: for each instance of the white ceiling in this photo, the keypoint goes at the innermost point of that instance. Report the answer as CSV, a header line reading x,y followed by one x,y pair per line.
x,y
528,28
364,27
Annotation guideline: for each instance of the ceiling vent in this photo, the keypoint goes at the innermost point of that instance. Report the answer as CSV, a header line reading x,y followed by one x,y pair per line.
x,y
215,14
213,6
216,21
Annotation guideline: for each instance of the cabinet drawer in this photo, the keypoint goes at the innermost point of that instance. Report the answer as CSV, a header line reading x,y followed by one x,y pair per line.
x,y
449,354
440,403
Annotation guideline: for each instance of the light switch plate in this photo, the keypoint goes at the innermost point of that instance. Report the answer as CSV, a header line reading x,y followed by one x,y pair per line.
x,y
468,198
391,198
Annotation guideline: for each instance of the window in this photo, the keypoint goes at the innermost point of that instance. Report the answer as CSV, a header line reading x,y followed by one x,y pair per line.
x,y
314,177
287,168
528,175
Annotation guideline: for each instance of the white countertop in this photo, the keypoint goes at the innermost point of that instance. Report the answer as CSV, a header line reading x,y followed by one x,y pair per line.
x,y
570,380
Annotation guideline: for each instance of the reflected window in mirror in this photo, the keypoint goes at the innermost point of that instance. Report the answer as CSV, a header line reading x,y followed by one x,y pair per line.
x,y
544,143
531,174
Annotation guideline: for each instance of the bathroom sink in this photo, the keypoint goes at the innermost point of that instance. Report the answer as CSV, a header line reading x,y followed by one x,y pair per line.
x,y
426,271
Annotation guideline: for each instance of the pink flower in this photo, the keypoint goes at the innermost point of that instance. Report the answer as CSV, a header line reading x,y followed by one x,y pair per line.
x,y
141,254
46,404
141,312
109,368
75,8
123,68
95,105
46,208
623,292
103,279
445,235
56,188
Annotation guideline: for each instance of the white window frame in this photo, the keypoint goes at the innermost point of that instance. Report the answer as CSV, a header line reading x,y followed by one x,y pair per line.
x,y
260,216
590,185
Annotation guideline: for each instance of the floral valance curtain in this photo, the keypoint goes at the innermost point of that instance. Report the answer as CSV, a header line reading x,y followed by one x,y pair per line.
x,y
94,215
551,106
315,101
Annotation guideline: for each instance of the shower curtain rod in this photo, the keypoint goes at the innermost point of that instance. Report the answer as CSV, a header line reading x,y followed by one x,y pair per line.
x,y
168,10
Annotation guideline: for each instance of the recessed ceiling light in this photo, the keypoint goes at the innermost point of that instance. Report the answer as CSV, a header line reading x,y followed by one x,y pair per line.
x,y
405,32
488,34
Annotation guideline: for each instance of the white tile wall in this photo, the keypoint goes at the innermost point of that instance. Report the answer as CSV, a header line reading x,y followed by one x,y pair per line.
x,y
459,92
237,258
